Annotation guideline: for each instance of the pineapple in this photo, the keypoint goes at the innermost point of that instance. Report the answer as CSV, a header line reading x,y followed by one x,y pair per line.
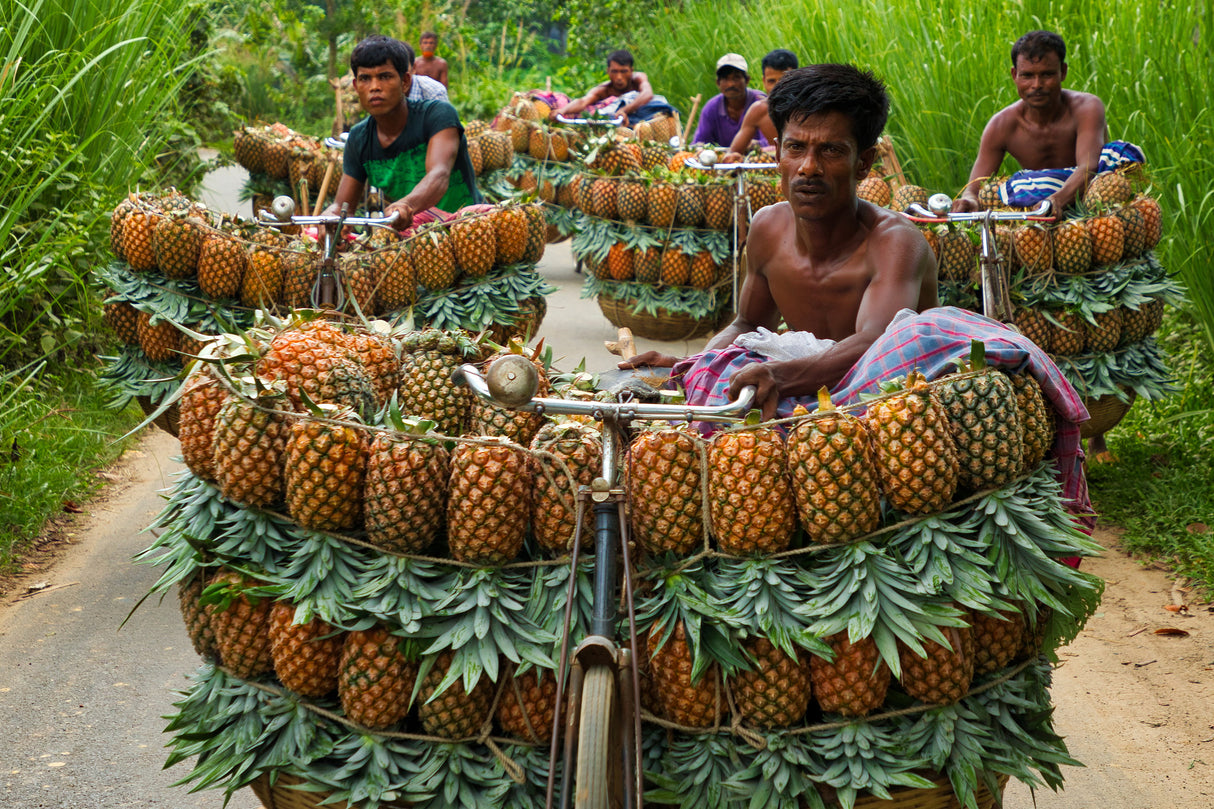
x,y
647,264
876,190
718,206
1036,420
117,218
397,280
474,243
989,196
676,266
697,704
652,157
222,260
1108,238
177,240
855,682
1034,248
916,462
1069,335
631,201
564,458
426,389
197,616
475,128
620,261
1107,189
137,229
250,443
358,280
539,145
980,403
377,355
376,677
661,203
307,656
298,277
158,337
701,270
201,400
528,705
520,136
604,199
663,482
1104,334
123,318
510,229
325,468
537,233
1033,325
315,361
997,639
761,192
776,693
241,624
497,149
1152,216
689,205
1136,324
405,497
941,676
261,285
433,259
476,156
489,503
834,480
456,713
958,255
749,496
1072,248
1135,231
907,195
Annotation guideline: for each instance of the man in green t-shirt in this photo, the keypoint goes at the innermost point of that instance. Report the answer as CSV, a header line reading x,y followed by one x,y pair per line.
x,y
413,151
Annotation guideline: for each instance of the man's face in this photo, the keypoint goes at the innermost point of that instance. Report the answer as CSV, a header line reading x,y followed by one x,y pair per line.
x,y
429,45
770,77
620,75
381,88
1039,81
820,164
732,83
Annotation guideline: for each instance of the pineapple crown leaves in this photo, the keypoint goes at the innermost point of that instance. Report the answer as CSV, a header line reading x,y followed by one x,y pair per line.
x,y
699,771
780,774
763,597
456,775
223,594
685,597
866,591
865,756
947,558
483,619
398,590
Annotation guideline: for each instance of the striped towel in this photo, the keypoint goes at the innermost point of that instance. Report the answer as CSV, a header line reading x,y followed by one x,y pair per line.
x,y
934,343
1024,189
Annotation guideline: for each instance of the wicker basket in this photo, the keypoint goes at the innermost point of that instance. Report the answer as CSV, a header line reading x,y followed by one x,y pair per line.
x,y
167,420
666,326
938,797
282,796
1104,413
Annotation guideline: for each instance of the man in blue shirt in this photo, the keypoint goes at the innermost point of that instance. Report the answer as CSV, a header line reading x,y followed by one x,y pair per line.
x,y
722,115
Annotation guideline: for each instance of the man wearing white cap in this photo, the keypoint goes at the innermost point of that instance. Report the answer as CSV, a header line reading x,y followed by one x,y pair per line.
x,y
722,115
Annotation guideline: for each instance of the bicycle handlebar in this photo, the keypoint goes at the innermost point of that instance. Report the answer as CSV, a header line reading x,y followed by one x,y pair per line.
x,y
917,213
271,220
692,163
616,121
733,411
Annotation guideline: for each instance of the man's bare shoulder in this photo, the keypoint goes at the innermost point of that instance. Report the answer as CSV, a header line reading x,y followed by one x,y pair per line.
x,y
889,230
1083,102
768,224
756,111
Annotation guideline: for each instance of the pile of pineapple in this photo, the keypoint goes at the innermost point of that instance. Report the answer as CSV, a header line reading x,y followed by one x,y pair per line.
x,y
1089,289
182,273
279,160
852,599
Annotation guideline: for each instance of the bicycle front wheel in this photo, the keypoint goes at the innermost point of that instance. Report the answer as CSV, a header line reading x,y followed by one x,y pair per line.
x,y
597,753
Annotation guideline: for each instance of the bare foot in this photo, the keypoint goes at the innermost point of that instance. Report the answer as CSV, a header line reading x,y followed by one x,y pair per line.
x,y
1098,451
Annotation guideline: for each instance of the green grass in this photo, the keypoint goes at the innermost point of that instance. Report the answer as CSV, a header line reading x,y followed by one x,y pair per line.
x,y
56,432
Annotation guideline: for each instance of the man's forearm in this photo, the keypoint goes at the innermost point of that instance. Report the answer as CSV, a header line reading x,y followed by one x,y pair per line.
x,y
805,377
429,191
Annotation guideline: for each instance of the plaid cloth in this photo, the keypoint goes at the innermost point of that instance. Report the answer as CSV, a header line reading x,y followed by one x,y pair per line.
x,y
933,342
1024,189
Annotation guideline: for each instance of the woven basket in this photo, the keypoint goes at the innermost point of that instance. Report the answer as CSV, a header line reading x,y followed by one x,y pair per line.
x,y
282,796
666,326
1105,412
167,420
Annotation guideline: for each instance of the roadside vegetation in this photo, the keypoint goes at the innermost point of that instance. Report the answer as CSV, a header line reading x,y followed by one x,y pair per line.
x,y
101,98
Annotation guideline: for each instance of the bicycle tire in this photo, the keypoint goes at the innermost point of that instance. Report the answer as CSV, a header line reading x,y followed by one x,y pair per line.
x,y
593,782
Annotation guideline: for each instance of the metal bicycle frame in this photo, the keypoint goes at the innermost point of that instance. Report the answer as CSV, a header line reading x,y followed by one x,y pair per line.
x,y
600,648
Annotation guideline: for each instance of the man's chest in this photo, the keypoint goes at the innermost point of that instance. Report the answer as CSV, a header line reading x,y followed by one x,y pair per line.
x,y
1044,147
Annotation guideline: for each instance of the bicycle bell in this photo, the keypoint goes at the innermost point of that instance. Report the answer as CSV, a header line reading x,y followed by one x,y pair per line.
x,y
283,208
512,380
939,204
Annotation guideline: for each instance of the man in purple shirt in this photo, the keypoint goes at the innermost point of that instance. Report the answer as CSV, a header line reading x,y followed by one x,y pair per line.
x,y
722,115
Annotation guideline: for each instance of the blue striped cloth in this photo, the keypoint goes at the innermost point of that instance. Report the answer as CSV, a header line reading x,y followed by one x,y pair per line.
x,y
1024,189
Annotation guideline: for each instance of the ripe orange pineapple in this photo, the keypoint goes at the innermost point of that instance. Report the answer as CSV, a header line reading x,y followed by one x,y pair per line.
x,y
222,260
261,285
474,243
376,677
123,318
1152,216
1034,247
941,676
749,496
906,195
1135,231
875,190
1072,248
510,229
177,240
564,456
377,355
433,259
527,705
241,624
1105,334
718,206
315,360
489,503
1033,325
620,261
197,616
456,713
916,462
676,266
325,469
604,199
307,656
250,443
1069,336
697,704
159,338
661,203
201,401
1107,189
663,482
958,255
834,479
998,639
1108,238
855,682
137,229
630,201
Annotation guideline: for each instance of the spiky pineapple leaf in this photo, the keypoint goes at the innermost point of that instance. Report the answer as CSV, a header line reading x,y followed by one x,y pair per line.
x,y
457,775
764,597
781,774
684,597
865,756
695,772
946,557
400,590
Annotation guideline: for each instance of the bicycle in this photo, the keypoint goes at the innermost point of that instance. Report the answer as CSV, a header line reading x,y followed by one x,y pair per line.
x,y
328,291
602,740
996,298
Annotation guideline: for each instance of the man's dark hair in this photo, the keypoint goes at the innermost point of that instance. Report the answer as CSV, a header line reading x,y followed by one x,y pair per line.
x,y
815,89
377,49
620,57
1036,44
779,59
429,34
